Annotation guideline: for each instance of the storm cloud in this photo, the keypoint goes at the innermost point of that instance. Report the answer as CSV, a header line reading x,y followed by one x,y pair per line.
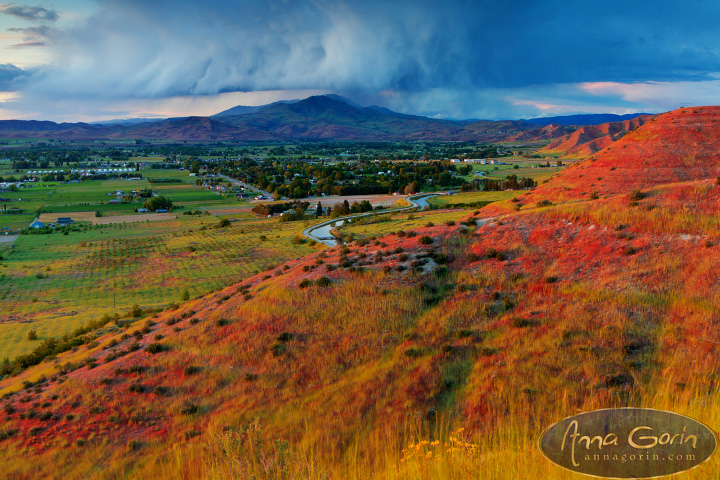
x,y
30,13
458,58
12,77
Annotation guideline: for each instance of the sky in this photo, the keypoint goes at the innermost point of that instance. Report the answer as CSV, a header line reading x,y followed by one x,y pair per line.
x,y
88,60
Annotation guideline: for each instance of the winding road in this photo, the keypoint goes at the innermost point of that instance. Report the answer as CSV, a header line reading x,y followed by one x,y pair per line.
x,y
321,231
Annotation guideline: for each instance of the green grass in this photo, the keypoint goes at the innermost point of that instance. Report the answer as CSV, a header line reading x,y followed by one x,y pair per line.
x,y
525,169
157,159
472,197
53,283
402,222
28,199
55,197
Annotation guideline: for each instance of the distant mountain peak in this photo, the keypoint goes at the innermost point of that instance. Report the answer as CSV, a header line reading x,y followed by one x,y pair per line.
x,y
243,109
340,98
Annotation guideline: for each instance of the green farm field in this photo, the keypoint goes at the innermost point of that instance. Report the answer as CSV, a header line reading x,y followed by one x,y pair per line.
x,y
401,222
54,283
91,196
526,168
155,159
470,198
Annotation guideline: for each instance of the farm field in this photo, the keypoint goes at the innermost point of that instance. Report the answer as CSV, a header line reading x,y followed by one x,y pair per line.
x,y
91,196
526,168
54,283
27,199
155,159
470,198
396,222
106,219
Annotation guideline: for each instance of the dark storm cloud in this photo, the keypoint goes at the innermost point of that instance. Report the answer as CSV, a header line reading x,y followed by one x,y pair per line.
x,y
11,77
30,13
160,48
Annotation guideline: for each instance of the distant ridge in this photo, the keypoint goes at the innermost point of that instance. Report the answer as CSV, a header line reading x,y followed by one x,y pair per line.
x,y
588,139
127,121
320,117
547,132
584,119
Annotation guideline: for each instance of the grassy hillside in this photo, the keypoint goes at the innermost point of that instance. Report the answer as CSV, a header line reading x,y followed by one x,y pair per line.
x,y
500,332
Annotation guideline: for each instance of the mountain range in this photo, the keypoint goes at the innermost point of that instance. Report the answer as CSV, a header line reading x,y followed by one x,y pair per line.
x,y
322,117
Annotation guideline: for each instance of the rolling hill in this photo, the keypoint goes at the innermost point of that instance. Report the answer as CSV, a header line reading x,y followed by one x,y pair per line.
x,y
677,146
548,132
586,140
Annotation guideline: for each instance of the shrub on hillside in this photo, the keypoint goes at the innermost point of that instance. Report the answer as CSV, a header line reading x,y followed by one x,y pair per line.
x,y
629,250
161,391
493,253
518,322
154,348
636,195
189,408
425,240
137,388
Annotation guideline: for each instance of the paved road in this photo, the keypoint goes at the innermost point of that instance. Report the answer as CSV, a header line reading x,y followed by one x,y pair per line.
x,y
249,187
321,231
